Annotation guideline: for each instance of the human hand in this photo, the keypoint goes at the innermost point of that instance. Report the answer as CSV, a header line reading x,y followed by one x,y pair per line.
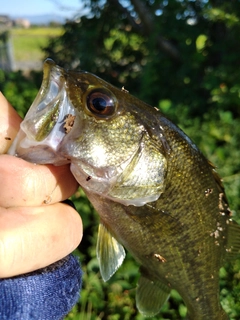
x,y
35,229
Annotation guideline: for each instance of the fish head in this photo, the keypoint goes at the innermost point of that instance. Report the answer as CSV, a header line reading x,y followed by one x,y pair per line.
x,y
112,140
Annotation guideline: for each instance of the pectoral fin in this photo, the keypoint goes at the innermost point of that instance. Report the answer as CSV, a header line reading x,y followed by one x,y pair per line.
x,y
150,296
110,253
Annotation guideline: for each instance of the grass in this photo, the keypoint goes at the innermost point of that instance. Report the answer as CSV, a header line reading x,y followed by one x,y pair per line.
x,y
27,43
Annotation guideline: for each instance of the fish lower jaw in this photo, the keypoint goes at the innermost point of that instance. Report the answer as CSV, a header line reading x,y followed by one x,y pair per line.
x,y
137,202
89,180
104,186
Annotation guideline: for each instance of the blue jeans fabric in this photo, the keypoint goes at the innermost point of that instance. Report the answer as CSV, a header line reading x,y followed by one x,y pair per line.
x,y
45,294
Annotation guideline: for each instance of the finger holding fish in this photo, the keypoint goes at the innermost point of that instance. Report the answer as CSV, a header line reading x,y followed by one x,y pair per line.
x,y
39,184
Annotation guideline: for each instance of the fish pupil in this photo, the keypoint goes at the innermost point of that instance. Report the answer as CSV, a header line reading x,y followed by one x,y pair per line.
x,y
99,104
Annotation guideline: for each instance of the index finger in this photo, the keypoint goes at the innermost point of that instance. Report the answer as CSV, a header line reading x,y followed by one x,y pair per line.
x,y
27,184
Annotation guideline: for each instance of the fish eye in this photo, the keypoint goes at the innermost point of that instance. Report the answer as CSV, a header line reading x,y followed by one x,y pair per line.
x,y
101,103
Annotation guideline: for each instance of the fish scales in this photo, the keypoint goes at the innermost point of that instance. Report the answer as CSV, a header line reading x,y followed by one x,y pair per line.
x,y
155,192
178,240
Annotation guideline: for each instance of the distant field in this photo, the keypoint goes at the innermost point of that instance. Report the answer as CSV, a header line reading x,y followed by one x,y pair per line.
x,y
27,43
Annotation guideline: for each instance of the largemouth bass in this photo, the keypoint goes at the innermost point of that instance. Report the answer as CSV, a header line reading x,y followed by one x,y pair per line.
x,y
155,192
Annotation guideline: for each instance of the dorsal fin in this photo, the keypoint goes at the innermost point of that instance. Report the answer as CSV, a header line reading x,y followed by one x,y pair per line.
x,y
233,243
110,253
223,198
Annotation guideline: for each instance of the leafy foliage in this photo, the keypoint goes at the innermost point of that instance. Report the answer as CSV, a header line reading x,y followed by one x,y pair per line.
x,y
183,57
19,90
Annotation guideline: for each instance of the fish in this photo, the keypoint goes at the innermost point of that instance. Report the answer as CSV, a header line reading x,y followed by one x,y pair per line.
x,y
156,194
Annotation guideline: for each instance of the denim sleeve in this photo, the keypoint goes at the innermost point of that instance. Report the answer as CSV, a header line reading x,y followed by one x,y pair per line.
x,y
45,294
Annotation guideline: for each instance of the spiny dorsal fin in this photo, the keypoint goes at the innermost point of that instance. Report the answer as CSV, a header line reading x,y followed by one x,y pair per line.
x,y
233,244
110,253
150,296
220,186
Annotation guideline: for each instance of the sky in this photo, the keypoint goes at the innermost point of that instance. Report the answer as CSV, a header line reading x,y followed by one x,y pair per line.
x,y
22,8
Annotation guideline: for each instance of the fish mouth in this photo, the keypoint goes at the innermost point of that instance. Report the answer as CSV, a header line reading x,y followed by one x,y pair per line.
x,y
42,131
52,83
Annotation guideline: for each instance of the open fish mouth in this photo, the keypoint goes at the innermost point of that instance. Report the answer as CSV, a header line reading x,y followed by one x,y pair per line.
x,y
49,118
